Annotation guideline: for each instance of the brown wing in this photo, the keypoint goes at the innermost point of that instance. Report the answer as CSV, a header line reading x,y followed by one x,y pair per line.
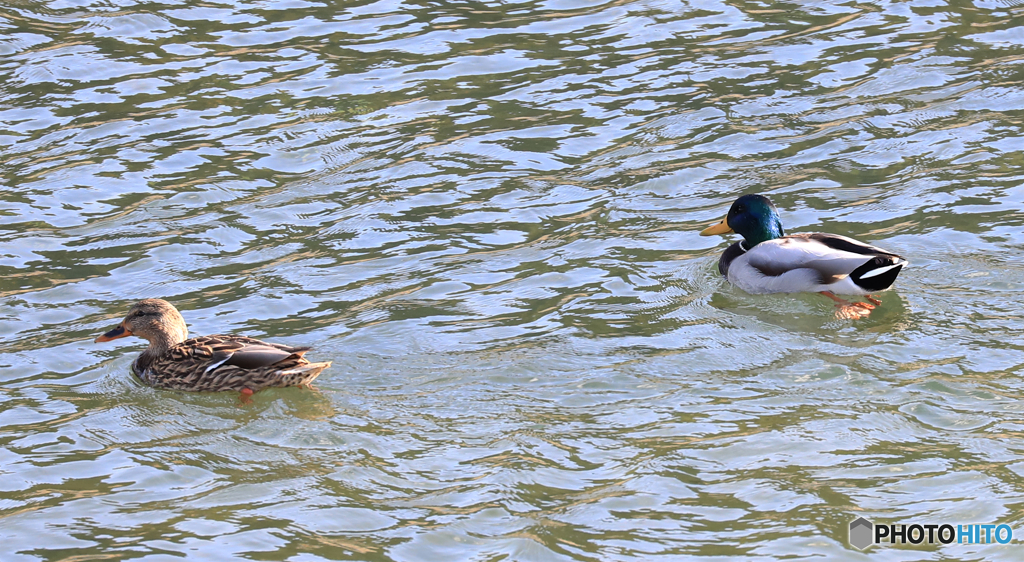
x,y
245,353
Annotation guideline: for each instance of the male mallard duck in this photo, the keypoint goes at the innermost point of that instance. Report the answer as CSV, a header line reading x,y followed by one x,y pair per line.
x,y
208,363
768,261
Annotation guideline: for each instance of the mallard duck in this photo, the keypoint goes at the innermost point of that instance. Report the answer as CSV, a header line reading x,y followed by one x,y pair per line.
x,y
768,261
208,363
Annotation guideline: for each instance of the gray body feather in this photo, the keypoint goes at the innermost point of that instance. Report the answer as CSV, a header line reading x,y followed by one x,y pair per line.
x,y
811,263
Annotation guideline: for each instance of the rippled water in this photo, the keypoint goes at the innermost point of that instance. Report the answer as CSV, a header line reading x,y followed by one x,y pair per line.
x,y
486,214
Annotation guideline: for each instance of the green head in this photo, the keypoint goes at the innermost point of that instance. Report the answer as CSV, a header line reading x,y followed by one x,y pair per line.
x,y
752,216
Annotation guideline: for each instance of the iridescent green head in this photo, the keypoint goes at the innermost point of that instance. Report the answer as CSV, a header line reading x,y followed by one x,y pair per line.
x,y
752,216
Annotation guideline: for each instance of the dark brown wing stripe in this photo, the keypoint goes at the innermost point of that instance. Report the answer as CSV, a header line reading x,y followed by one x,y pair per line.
x,y
254,357
846,245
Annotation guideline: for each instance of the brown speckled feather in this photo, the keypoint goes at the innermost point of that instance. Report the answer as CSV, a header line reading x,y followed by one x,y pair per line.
x,y
204,364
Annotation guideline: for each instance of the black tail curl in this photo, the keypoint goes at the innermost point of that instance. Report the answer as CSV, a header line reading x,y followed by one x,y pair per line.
x,y
879,281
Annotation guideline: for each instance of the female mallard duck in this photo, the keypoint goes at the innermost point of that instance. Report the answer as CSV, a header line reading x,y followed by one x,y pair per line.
x,y
208,363
768,261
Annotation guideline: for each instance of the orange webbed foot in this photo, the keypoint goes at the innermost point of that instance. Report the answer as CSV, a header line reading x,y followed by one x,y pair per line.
x,y
853,310
245,395
846,310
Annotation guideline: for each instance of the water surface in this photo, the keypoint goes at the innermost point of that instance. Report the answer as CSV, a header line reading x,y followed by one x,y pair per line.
x,y
486,214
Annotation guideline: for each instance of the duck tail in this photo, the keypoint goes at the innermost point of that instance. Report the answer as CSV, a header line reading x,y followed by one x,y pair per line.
x,y
878,273
303,374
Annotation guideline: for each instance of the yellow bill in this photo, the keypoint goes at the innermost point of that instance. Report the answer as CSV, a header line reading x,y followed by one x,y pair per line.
x,y
717,228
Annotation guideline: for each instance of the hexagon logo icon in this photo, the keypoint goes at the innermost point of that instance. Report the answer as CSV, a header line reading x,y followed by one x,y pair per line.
x,y
861,533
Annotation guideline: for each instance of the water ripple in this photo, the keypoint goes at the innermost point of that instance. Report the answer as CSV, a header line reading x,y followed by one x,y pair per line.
x,y
486,215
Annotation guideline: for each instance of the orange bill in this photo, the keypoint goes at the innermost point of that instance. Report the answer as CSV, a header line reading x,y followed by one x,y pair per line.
x,y
118,332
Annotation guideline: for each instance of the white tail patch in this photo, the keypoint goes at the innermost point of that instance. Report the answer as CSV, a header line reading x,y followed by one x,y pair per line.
x,y
304,369
882,270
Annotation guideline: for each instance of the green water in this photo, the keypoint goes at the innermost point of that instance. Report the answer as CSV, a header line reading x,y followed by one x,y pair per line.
x,y
486,215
